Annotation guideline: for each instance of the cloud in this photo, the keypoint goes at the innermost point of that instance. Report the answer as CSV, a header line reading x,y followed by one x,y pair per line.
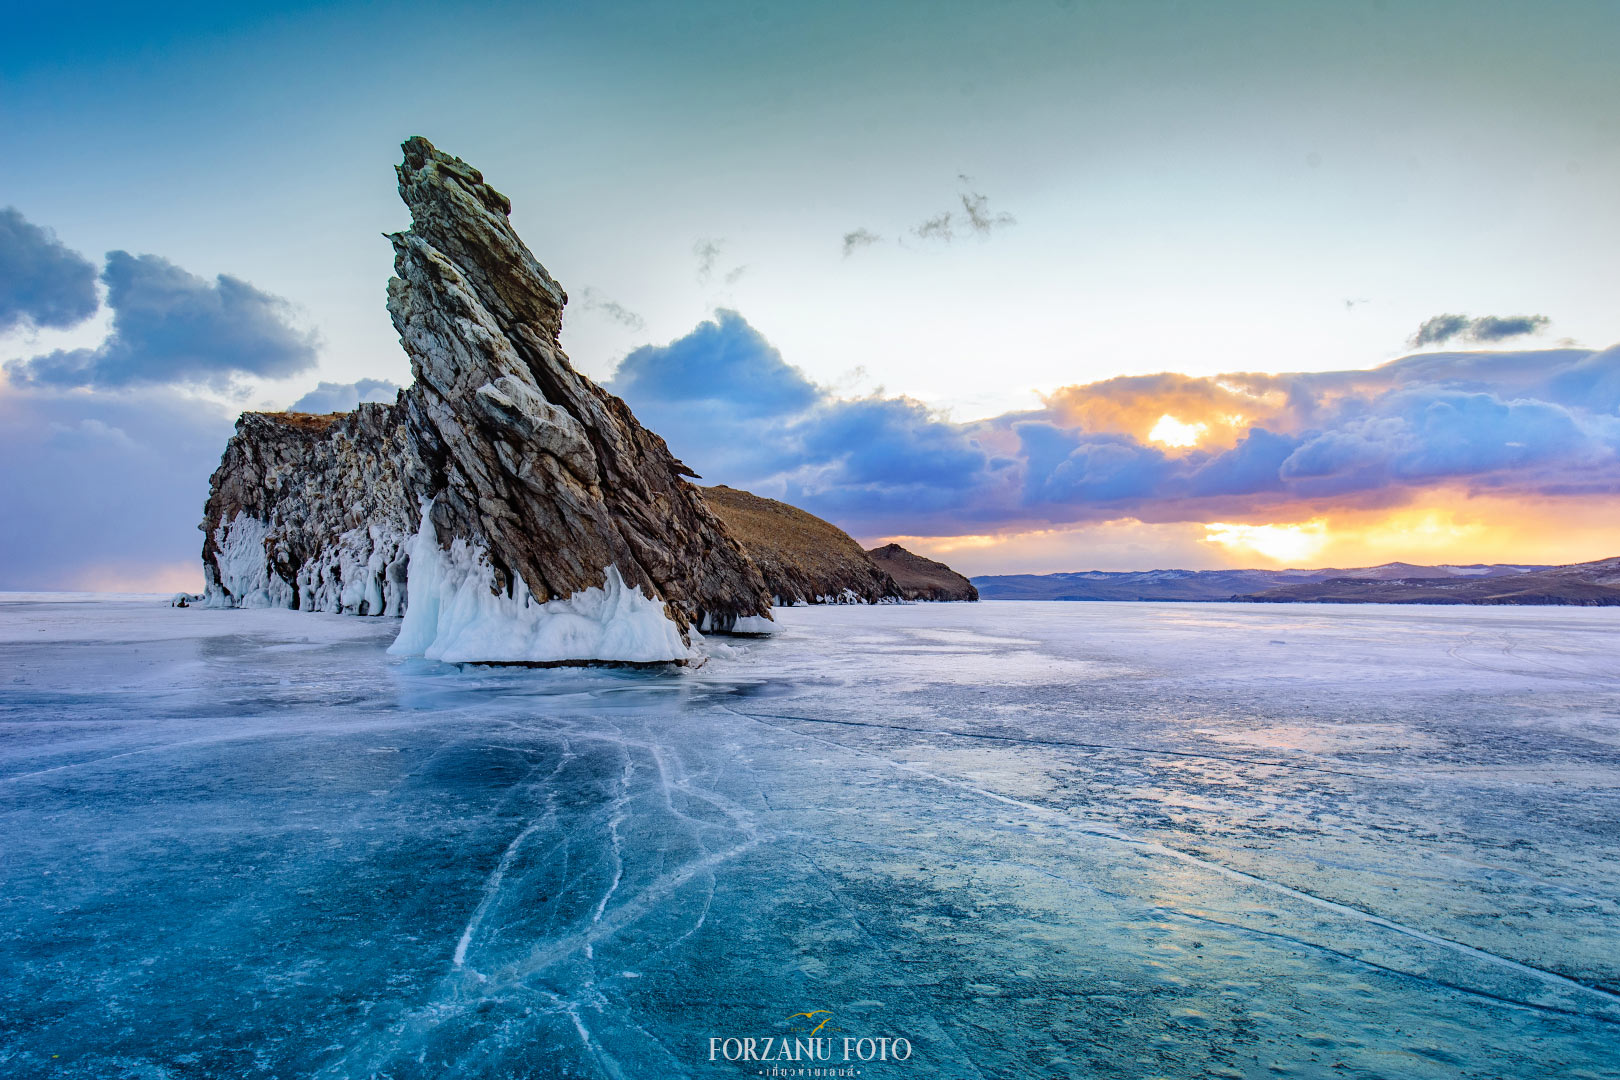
x,y
860,238
1438,330
979,217
707,251
1485,329
591,300
975,218
104,462
1252,466
171,327
1104,469
331,397
104,487
882,443
938,227
42,282
725,362
1535,423
724,392
1490,328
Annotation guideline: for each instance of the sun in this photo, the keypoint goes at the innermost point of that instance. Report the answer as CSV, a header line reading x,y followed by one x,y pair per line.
x,y
1288,544
1172,432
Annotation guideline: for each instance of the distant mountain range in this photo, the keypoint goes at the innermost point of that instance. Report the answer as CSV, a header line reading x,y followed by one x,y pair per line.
x,y
1584,584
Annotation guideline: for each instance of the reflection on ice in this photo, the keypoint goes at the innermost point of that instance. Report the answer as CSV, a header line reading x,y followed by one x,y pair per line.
x,y
1088,840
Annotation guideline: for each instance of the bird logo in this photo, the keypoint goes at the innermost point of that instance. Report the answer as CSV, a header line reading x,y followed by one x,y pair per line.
x,y
810,1018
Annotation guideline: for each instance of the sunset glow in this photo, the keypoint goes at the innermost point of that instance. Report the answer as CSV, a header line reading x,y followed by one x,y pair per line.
x,y
1448,526
1288,544
1172,432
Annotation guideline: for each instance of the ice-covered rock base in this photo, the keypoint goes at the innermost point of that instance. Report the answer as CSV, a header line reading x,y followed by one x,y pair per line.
x,y
455,616
239,576
363,573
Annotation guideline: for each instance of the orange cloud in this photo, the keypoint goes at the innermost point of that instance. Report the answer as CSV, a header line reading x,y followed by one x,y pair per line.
x,y
1224,406
1440,526
1139,406
1446,526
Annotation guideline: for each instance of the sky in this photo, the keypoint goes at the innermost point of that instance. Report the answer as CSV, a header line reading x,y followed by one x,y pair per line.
x,y
1031,287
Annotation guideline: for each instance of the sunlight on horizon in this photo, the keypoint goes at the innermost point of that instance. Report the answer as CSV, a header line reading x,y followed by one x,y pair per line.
x,y
1280,543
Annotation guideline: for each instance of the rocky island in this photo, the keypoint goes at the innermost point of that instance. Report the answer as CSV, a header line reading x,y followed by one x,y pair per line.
x,y
506,506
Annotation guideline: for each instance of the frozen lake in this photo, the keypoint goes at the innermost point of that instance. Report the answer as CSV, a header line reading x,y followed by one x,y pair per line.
x,y
1032,840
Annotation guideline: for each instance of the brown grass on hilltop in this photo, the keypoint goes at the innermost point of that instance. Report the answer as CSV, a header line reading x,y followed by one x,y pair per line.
x,y
802,556
309,423
920,578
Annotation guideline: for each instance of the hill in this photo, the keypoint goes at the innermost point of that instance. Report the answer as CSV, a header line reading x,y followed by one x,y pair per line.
x,y
1593,584
804,559
920,578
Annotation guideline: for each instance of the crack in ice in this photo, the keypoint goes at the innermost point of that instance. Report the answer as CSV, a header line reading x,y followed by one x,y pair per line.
x,y
1098,829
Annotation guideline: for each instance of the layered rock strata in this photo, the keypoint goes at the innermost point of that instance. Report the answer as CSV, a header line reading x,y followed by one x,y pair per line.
x,y
508,506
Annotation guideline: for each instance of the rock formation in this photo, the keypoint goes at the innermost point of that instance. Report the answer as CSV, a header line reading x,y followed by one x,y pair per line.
x,y
805,560
920,578
312,512
511,508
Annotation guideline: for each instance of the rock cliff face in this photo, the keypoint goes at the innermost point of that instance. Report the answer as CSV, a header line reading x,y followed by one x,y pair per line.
x,y
313,512
920,578
511,508
804,559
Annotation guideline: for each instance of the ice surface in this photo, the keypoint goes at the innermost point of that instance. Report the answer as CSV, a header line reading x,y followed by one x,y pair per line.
x,y
1076,840
451,615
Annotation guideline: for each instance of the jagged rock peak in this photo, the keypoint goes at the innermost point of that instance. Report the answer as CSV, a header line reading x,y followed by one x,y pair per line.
x,y
546,471
460,215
